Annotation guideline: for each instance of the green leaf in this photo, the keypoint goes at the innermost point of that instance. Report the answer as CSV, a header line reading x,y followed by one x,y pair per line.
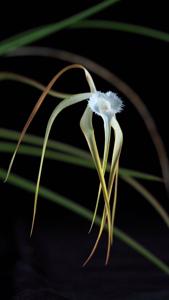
x,y
38,141
124,27
73,155
31,82
36,34
86,214
149,197
83,162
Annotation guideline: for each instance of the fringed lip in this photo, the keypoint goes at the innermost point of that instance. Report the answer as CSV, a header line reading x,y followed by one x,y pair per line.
x,y
105,104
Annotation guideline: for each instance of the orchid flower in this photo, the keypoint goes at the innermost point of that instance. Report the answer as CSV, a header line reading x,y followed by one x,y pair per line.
x,y
106,105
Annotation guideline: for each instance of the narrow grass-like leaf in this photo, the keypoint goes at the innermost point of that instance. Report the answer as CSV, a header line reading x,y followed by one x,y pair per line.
x,y
149,197
31,82
125,174
38,141
36,34
124,27
75,155
86,214
139,175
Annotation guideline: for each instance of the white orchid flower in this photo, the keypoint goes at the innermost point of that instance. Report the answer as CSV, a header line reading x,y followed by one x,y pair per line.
x,y
105,105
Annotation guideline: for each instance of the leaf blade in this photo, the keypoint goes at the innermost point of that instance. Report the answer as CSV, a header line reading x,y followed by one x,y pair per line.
x,y
77,152
123,27
36,34
86,214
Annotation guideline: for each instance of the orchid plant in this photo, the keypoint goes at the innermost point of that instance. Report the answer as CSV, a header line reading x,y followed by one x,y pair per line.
x,y
106,105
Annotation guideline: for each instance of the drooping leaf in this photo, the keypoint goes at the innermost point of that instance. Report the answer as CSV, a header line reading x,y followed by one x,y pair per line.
x,y
31,82
78,157
29,186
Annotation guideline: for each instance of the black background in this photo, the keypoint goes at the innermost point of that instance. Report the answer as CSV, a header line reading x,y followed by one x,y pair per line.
x,y
60,241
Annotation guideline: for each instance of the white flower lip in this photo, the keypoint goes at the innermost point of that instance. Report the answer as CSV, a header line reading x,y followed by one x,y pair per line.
x,y
105,104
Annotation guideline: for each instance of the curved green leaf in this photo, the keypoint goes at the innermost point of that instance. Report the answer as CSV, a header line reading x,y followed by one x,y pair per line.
x,y
86,214
31,82
124,27
36,34
69,154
